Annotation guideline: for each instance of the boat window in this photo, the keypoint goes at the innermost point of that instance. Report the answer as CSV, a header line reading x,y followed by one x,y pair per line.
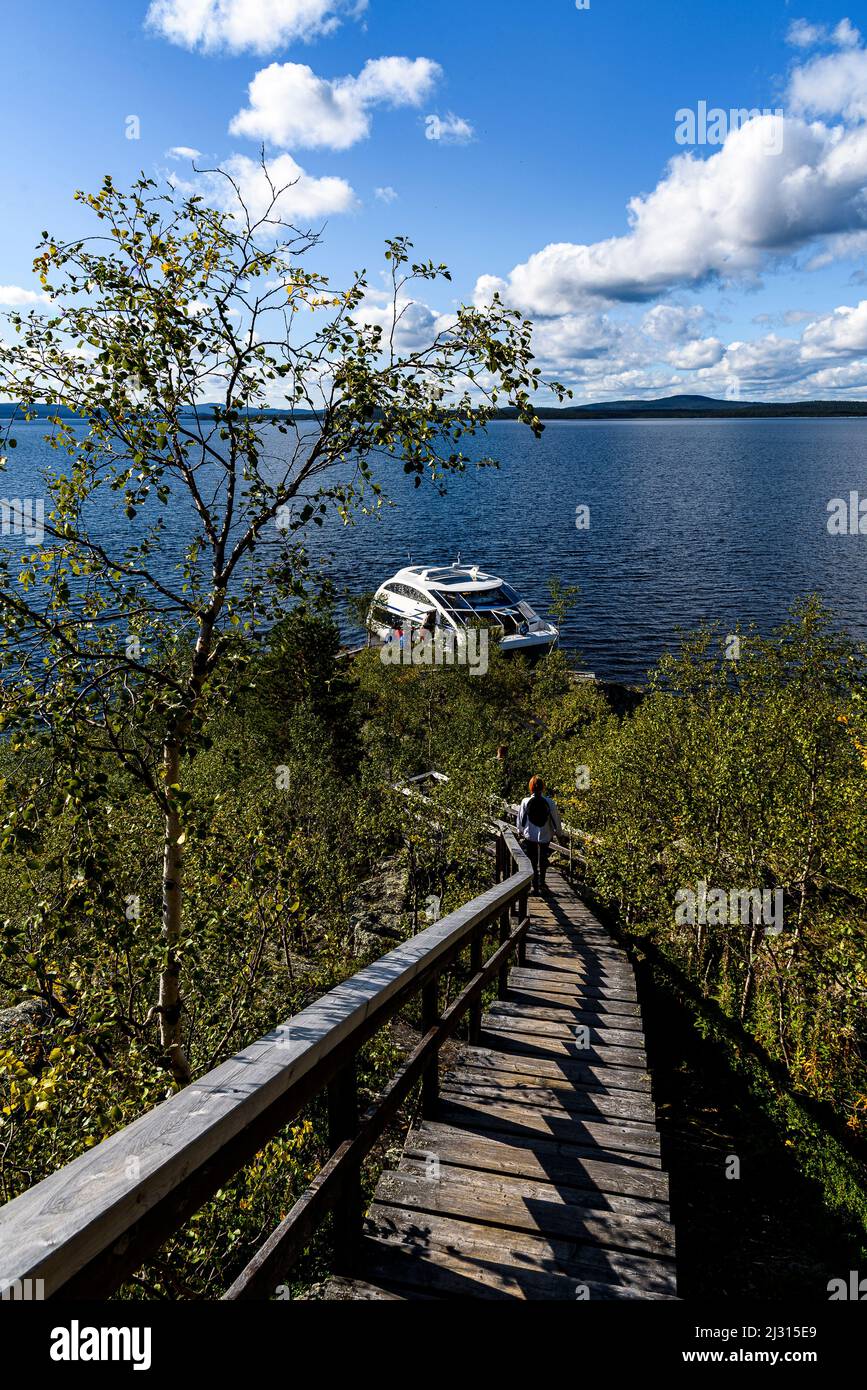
x,y
452,602
405,591
489,598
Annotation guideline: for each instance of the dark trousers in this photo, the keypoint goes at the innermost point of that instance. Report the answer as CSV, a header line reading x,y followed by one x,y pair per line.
x,y
538,856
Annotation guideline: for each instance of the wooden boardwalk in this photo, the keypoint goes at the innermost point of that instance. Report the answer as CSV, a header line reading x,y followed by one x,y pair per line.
x,y
540,1176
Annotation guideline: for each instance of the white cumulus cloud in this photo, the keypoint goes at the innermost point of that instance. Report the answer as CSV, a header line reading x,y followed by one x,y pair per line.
x,y
723,217
14,297
672,323
302,197
411,323
839,334
703,352
260,26
290,105
803,34
833,85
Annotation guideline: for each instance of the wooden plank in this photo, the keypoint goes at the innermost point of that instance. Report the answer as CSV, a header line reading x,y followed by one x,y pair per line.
x,y
537,1208
577,968
540,1159
449,1275
549,983
537,1045
625,1024
495,1255
615,1105
521,1123
524,1022
578,957
519,994
525,1189
540,1174
562,1071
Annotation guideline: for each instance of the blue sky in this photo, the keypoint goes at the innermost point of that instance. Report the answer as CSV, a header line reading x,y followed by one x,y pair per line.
x,y
738,271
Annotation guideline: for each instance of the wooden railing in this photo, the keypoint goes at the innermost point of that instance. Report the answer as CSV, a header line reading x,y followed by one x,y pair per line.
x,y
85,1229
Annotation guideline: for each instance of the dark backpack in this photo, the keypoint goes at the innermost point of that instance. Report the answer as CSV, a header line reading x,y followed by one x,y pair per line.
x,y
538,810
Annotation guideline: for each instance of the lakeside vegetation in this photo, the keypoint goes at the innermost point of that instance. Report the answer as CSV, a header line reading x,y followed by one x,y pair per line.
x,y
304,866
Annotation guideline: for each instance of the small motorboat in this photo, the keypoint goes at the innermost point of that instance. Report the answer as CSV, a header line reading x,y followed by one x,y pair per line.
x,y
451,599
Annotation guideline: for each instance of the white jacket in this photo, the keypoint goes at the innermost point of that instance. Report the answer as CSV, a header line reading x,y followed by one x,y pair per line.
x,y
539,834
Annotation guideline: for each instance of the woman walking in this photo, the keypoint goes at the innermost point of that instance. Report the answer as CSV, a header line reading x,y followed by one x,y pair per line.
x,y
538,823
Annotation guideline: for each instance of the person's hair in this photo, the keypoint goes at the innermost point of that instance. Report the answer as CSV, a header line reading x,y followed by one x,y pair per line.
x,y
537,786
502,751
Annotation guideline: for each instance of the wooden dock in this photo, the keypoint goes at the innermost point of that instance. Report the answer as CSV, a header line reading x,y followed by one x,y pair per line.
x,y
539,1175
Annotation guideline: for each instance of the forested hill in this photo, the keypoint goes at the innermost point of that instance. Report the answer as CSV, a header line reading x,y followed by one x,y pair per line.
x,y
695,407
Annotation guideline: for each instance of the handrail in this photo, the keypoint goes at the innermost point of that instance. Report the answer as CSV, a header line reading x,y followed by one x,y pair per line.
x,y
84,1229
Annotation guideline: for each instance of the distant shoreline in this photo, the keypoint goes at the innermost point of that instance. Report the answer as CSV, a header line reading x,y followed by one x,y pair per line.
x,y
713,410
669,408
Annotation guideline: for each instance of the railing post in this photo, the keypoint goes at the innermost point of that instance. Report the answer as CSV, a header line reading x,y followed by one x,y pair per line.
x,y
523,903
430,1013
476,944
503,975
343,1124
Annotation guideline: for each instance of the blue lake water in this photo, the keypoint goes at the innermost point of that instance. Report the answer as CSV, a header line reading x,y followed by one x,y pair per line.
x,y
690,521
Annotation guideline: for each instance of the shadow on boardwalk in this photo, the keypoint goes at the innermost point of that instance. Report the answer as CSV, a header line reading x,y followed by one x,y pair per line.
x,y
538,1175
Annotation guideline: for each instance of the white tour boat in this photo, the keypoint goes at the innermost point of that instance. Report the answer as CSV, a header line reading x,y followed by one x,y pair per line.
x,y
422,599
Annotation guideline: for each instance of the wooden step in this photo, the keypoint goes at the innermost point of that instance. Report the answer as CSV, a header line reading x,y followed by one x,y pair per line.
x,y
533,1044
553,1070
538,1208
551,983
514,1262
577,968
565,1127
618,1008
626,1024
539,1159
603,1105
524,1021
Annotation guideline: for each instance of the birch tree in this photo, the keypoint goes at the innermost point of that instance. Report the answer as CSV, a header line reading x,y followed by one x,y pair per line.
x,y
177,508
